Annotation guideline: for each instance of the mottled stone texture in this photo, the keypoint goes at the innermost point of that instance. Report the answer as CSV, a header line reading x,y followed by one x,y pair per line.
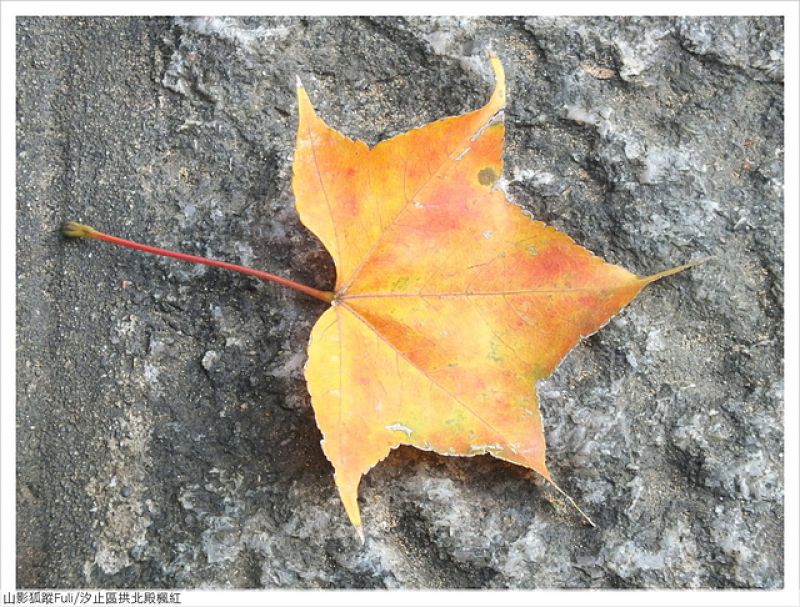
x,y
165,436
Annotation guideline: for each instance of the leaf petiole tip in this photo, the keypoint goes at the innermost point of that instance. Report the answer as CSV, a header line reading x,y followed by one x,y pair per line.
x,y
567,496
73,229
677,269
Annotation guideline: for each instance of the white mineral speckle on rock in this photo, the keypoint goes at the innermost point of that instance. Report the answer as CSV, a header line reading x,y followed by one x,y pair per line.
x,y
151,372
210,359
123,520
245,253
221,539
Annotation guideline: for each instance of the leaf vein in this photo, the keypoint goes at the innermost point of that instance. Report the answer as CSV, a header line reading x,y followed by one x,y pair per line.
x,y
448,159
402,355
324,192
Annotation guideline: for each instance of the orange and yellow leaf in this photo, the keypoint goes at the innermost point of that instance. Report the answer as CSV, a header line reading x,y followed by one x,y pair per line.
x,y
450,302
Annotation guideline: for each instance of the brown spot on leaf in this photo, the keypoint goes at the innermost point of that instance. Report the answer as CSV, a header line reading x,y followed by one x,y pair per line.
x,y
487,176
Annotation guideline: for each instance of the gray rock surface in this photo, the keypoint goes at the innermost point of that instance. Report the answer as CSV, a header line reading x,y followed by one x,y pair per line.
x,y
165,435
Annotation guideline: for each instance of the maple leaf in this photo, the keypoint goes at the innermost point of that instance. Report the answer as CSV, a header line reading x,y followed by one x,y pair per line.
x,y
450,303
